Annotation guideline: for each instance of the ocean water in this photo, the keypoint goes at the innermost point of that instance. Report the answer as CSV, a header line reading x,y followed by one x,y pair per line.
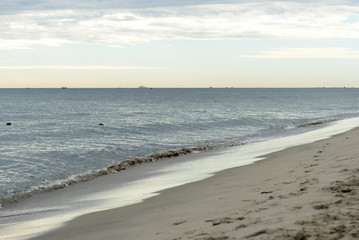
x,y
55,138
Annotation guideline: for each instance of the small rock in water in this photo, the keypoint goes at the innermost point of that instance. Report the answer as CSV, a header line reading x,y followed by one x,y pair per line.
x,y
101,124
8,124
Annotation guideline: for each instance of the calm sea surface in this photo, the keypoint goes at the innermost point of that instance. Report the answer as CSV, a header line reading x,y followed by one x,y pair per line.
x,y
55,133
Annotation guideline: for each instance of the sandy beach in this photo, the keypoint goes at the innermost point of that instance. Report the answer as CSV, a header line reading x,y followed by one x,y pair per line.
x,y
305,192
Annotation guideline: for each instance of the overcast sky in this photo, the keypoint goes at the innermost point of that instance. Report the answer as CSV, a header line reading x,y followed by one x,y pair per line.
x,y
125,43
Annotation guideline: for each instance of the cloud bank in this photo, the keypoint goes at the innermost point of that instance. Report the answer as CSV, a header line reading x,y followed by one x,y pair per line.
x,y
54,23
78,68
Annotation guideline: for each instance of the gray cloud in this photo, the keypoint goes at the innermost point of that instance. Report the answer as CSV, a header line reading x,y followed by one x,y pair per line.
x,y
12,6
115,26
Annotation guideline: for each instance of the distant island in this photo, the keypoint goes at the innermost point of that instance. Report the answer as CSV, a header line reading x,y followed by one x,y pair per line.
x,y
142,87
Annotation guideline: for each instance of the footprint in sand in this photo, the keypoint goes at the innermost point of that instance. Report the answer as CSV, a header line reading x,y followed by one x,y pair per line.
x,y
241,226
321,206
179,223
312,165
190,232
224,220
297,207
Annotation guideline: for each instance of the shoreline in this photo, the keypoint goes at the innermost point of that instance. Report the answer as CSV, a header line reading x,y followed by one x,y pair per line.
x,y
311,195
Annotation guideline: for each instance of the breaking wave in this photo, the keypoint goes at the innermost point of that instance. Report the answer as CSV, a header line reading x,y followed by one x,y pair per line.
x,y
310,124
112,168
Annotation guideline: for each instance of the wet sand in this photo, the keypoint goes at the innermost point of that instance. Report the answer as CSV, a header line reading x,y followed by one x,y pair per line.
x,y
305,192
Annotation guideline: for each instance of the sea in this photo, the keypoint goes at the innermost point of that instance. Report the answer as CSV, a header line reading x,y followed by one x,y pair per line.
x,y
57,138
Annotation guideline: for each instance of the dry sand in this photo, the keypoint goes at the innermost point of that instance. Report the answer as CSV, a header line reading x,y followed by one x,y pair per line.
x,y
305,192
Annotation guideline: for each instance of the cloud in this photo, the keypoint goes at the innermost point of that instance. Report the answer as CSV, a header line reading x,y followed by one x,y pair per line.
x,y
11,44
95,67
26,5
55,23
305,53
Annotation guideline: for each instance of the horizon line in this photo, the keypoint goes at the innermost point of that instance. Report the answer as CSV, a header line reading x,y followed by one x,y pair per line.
x,y
66,88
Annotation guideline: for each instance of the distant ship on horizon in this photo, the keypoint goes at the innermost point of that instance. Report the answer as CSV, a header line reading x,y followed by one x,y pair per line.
x,y
63,87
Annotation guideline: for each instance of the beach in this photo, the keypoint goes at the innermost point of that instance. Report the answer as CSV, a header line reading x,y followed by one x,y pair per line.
x,y
304,192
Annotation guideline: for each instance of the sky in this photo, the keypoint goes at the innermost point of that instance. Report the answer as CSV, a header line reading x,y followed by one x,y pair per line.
x,y
178,43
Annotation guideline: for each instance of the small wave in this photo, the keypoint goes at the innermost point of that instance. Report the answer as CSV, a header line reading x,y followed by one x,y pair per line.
x,y
112,168
290,127
310,124
29,212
